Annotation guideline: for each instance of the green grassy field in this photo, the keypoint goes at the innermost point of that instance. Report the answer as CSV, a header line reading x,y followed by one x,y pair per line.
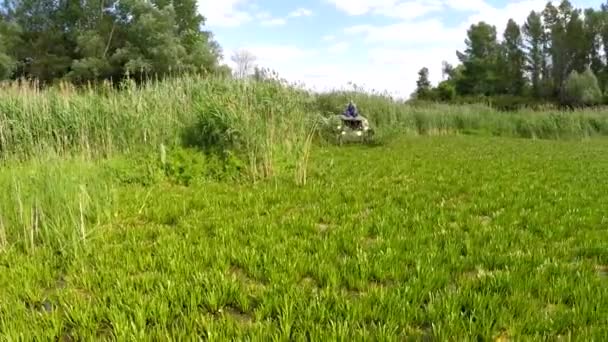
x,y
447,238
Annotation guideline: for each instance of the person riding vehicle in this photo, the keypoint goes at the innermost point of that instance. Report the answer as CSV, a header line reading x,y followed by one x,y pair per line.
x,y
351,110
350,124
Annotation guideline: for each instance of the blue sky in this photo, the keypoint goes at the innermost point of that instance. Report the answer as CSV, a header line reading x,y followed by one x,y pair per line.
x,y
377,44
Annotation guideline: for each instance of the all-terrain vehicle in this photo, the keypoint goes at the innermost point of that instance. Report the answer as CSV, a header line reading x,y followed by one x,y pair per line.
x,y
352,129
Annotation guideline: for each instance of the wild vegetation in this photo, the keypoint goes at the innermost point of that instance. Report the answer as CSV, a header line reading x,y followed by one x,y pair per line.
x,y
423,237
147,193
198,128
253,118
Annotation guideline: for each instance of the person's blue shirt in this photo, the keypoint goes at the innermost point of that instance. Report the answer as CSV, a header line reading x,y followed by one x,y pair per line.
x,y
351,110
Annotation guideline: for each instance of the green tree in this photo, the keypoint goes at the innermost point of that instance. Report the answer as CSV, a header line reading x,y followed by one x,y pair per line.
x,y
577,44
514,60
87,40
604,27
553,43
567,43
544,53
534,40
480,60
594,23
152,47
582,89
45,52
447,70
202,52
423,85
446,91
601,16
8,42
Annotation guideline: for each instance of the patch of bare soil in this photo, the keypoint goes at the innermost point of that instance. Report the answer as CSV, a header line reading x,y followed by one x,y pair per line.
x,y
371,241
236,315
240,275
602,271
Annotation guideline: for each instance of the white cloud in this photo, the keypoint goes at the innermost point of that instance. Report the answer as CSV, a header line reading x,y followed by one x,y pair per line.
x,y
264,15
431,31
269,54
267,20
360,7
468,5
399,50
516,10
339,47
391,8
288,60
385,69
410,9
274,22
300,12
392,53
224,13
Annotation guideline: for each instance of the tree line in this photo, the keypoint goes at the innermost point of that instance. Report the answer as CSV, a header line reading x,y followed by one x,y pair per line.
x,y
558,55
93,40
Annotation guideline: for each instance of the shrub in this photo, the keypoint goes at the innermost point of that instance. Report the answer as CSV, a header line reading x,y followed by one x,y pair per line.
x,y
446,92
582,89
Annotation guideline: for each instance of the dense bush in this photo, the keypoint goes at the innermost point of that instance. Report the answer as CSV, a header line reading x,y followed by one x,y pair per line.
x,y
582,89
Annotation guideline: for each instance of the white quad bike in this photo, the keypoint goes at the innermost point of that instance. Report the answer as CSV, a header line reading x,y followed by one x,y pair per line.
x,y
354,129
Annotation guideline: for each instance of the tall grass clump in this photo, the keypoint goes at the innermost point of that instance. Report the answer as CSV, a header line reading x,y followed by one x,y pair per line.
x,y
263,121
53,203
98,121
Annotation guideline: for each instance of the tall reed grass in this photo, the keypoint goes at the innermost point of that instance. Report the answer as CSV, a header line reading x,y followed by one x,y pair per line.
x,y
53,203
396,117
266,121
53,143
